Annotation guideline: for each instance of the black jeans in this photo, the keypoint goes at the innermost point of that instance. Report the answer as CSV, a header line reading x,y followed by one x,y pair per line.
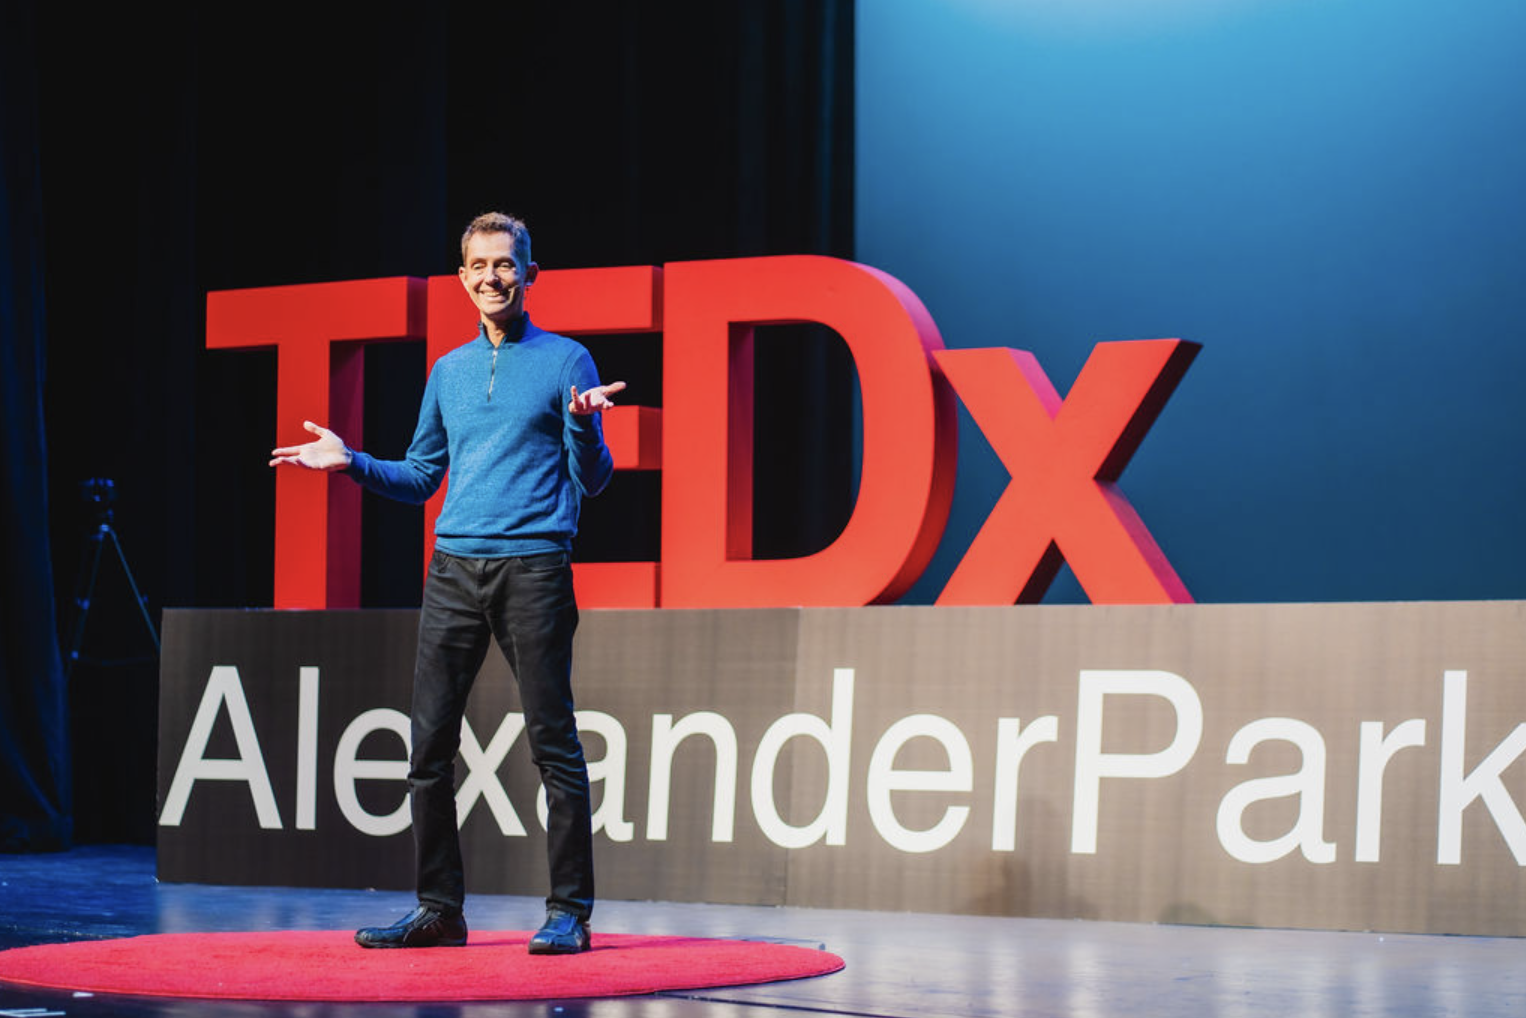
x,y
527,606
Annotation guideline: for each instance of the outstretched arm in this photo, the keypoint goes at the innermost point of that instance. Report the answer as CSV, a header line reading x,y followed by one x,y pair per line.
x,y
588,458
326,452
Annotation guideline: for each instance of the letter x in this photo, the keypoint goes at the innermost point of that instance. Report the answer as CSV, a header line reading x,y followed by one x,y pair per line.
x,y
482,774
1062,504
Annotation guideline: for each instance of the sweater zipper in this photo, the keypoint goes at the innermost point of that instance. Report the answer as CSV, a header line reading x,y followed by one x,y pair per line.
x,y
492,374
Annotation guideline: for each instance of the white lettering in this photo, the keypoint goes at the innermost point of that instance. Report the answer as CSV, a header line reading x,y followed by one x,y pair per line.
x,y
307,748
223,688
1012,743
836,738
1457,791
1092,765
1308,784
348,769
884,779
1104,714
482,775
1376,750
666,737
610,816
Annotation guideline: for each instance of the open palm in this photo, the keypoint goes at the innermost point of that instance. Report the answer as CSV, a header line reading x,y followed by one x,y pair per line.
x,y
326,452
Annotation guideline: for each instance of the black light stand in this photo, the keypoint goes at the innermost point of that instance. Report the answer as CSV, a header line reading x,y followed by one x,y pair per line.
x,y
100,493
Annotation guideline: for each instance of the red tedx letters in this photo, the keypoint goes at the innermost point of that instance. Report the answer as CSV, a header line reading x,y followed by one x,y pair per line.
x,y
1062,503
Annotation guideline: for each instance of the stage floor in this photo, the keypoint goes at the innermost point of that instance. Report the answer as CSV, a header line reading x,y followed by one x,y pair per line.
x,y
897,964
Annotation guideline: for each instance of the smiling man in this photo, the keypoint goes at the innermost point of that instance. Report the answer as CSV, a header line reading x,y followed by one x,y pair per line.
x,y
514,416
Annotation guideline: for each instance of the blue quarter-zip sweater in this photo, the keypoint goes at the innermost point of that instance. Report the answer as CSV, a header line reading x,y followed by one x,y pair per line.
x,y
519,462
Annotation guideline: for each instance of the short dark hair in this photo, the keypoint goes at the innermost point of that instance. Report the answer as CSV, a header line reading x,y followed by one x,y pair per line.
x,y
497,222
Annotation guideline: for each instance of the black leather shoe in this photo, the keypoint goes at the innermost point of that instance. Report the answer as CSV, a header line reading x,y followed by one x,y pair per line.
x,y
423,927
563,933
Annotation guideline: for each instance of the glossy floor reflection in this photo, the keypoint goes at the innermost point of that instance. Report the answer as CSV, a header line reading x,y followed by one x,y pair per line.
x,y
897,964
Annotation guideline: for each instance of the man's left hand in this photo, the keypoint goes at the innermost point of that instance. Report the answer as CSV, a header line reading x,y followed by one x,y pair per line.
x,y
594,400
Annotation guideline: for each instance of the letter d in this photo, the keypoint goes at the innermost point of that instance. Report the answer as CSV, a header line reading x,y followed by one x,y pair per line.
x,y
910,436
837,739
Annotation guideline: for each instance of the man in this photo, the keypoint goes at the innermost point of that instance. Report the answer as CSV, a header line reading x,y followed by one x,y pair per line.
x,y
514,416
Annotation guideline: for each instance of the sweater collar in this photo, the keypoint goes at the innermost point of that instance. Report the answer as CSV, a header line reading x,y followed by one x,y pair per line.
x,y
529,331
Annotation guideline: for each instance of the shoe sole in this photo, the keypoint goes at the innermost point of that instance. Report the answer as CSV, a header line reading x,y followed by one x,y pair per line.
x,y
557,949
442,943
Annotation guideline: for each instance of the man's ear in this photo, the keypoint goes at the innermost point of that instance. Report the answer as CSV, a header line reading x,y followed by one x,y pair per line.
x,y
531,271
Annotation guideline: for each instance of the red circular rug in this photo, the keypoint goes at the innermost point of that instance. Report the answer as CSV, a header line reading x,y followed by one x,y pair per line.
x,y
331,966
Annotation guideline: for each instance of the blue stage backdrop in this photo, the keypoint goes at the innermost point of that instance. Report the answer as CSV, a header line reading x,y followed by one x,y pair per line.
x,y
1327,194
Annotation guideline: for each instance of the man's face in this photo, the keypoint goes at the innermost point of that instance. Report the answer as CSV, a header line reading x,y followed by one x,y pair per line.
x,y
493,278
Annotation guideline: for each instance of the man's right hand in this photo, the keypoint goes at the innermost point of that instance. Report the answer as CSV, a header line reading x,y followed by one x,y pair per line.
x,y
326,452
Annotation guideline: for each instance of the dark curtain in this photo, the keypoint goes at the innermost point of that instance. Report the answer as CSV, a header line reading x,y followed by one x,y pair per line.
x,y
35,811
266,151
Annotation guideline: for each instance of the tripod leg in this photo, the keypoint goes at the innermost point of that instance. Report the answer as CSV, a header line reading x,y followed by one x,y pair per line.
x,y
84,589
137,597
